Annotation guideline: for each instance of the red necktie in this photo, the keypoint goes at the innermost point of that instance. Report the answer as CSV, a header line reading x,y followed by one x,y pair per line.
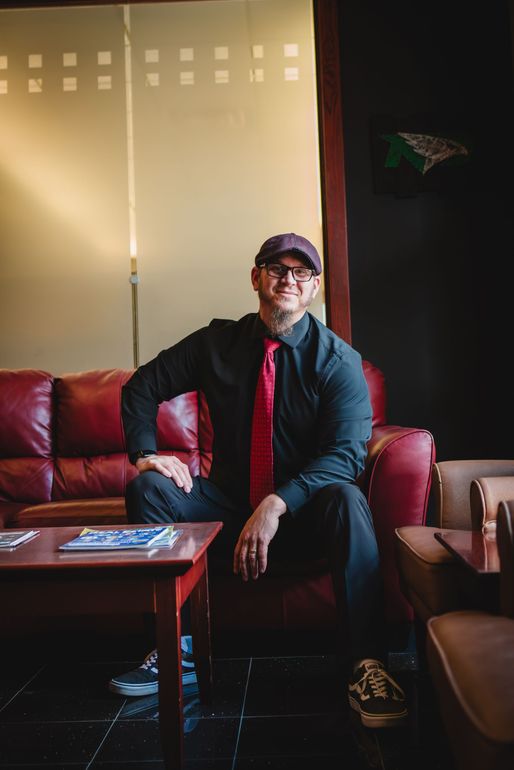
x,y
261,451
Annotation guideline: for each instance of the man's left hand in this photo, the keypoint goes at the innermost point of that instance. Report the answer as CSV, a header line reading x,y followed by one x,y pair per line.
x,y
251,551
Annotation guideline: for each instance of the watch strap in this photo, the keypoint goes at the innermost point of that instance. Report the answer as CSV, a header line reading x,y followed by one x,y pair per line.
x,y
135,456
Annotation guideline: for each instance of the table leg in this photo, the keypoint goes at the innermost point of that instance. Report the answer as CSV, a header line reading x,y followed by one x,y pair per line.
x,y
167,615
201,633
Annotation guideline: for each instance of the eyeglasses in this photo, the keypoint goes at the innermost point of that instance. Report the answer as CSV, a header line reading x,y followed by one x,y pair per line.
x,y
300,274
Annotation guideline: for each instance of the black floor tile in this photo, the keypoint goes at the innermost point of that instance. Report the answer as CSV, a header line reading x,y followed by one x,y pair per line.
x,y
305,685
14,679
366,743
402,661
406,759
131,741
297,763
193,764
296,716
138,765
65,693
312,735
230,678
51,766
52,744
422,743
136,709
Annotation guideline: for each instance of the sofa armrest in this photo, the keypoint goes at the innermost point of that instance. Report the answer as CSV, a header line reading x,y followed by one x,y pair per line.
x,y
397,486
451,482
486,494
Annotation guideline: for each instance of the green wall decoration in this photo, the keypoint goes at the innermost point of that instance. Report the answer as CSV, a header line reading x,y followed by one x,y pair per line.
x,y
411,156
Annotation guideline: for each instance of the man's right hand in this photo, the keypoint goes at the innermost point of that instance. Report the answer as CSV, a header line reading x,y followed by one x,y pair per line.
x,y
171,467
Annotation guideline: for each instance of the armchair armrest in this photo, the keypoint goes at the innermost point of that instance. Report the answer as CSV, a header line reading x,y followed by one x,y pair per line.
x,y
397,484
451,482
485,495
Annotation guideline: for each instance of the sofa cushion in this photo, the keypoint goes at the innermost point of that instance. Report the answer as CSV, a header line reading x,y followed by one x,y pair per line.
x,y
471,658
8,512
26,479
91,460
88,413
26,465
26,398
90,477
103,476
70,513
431,579
177,424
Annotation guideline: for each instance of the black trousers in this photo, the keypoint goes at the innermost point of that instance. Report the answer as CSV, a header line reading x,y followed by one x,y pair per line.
x,y
335,523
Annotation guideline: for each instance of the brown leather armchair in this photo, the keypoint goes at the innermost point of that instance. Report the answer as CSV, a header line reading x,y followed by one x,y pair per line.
x,y
466,494
471,659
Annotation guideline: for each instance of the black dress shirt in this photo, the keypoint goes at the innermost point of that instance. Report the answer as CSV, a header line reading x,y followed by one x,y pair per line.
x,y
322,411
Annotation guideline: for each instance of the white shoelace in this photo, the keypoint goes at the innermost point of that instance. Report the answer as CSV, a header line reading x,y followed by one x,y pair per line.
x,y
379,679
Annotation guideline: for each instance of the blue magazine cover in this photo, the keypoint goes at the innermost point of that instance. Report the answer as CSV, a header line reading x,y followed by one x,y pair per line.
x,y
114,539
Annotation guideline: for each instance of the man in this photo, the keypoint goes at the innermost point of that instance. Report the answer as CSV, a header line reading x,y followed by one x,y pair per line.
x,y
291,418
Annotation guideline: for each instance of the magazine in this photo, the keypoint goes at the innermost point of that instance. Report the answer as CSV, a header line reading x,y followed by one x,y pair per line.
x,y
11,538
119,539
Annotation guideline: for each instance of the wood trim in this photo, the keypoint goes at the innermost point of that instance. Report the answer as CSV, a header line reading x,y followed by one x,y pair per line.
x,y
333,190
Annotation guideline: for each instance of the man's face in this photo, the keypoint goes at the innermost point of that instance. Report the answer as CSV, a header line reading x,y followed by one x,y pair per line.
x,y
285,294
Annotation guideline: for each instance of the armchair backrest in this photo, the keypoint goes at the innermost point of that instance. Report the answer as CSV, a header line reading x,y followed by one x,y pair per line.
x,y
451,485
377,392
505,541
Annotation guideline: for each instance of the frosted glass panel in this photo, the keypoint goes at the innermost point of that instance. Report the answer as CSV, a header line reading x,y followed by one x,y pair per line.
x,y
64,297
205,120
223,163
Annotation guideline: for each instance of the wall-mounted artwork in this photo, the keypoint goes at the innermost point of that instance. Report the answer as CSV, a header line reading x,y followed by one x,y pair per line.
x,y
412,155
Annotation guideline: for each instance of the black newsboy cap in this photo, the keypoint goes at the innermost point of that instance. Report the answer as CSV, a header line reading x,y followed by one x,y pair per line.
x,y
289,243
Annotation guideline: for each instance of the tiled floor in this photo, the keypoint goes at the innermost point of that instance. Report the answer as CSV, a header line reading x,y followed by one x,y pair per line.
x,y
275,713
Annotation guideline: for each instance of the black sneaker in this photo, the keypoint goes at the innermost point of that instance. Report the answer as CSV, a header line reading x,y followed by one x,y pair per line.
x,y
376,696
144,680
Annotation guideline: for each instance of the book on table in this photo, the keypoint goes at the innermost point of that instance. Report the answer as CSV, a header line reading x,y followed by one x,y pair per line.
x,y
120,539
12,538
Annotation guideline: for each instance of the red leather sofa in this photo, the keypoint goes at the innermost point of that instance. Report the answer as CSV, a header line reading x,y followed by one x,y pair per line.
x,y
62,462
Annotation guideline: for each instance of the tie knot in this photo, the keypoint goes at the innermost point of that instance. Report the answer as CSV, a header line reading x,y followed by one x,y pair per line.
x,y
270,345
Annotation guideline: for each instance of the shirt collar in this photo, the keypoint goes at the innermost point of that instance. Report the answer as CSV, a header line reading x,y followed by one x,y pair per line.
x,y
298,332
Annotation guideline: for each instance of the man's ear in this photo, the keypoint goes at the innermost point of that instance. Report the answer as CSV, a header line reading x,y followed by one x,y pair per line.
x,y
255,278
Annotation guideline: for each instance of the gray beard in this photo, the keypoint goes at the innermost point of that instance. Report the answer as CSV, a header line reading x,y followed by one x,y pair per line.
x,y
280,324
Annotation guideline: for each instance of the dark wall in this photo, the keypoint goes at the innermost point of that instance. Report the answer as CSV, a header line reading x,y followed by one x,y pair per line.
x,y
431,302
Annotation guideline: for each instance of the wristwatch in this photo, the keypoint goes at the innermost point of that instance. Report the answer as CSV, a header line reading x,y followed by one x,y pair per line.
x,y
135,456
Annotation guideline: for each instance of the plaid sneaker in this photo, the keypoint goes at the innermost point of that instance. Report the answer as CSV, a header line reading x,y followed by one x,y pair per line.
x,y
145,679
376,696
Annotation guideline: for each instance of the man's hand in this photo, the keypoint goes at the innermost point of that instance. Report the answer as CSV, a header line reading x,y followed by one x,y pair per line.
x,y
251,551
171,467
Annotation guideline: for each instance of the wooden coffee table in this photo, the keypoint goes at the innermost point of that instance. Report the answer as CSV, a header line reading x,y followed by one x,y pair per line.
x,y
38,579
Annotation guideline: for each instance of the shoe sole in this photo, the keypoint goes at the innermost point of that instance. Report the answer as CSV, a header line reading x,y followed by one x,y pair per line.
x,y
134,691
382,720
